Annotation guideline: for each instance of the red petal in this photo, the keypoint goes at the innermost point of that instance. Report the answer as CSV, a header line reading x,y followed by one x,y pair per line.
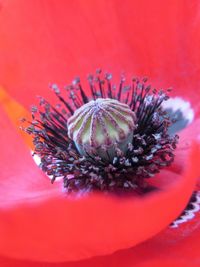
x,y
171,248
167,54
39,222
189,134
53,42
186,137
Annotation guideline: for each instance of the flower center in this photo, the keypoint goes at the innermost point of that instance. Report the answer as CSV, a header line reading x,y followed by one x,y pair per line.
x,y
114,138
101,125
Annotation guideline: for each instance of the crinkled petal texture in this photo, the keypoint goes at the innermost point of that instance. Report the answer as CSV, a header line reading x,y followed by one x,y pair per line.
x,y
51,41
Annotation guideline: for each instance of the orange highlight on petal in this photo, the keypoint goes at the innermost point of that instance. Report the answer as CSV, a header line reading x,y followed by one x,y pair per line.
x,y
15,112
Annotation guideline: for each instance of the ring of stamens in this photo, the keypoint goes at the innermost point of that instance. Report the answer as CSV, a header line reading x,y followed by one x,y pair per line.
x,y
151,147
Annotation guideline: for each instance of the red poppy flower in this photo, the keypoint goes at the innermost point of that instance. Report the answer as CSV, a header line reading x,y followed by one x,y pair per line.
x,y
46,41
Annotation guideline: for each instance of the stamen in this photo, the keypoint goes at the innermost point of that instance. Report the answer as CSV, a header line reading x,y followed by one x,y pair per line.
x,y
106,140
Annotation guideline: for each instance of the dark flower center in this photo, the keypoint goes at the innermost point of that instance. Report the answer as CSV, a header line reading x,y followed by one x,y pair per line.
x,y
113,139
